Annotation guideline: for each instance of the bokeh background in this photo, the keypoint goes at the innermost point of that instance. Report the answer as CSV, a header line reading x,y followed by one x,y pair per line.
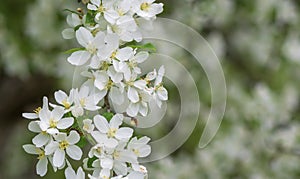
x,y
257,42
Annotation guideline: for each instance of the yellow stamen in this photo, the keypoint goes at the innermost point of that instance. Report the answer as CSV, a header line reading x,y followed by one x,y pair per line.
x,y
53,123
63,145
111,132
37,110
145,6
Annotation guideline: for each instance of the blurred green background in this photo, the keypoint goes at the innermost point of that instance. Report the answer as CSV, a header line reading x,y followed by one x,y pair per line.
x,y
257,42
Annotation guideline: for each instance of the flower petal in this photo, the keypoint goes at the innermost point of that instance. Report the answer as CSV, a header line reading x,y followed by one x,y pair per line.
x,y
34,127
79,58
40,139
84,36
133,109
59,158
101,123
41,167
73,138
74,152
124,133
133,95
31,149
65,123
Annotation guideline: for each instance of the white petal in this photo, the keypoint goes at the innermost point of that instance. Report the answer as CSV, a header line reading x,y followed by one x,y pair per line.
x,y
44,115
41,139
116,121
124,54
141,84
34,127
30,115
92,7
133,95
120,168
124,133
145,151
51,148
99,40
41,167
65,123
101,123
74,152
60,96
70,173
58,113
68,33
107,163
52,131
116,96
73,138
162,94
133,109
79,58
111,143
141,56
143,110
136,175
31,149
99,137
58,158
84,36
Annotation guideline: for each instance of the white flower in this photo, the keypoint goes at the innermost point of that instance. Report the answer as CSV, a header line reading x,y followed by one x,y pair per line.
x,y
62,145
130,68
51,121
41,167
146,8
139,146
63,99
88,125
139,103
159,91
85,99
70,173
42,138
35,115
73,21
91,44
112,129
126,28
118,159
105,8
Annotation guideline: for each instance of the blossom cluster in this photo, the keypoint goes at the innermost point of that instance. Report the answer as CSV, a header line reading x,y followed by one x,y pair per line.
x,y
111,52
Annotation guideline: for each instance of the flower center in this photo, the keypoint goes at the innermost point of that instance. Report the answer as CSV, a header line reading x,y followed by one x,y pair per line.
x,y
112,132
145,6
101,9
41,154
52,123
66,104
90,48
63,145
116,155
82,102
136,152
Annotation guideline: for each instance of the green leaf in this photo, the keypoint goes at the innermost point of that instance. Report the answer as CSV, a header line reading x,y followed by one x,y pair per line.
x,y
90,162
75,12
73,50
108,115
82,142
90,18
148,46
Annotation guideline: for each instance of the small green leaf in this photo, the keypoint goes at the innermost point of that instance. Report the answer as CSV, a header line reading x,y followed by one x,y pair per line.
x,y
75,12
73,50
108,115
90,162
148,46
90,18
82,142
